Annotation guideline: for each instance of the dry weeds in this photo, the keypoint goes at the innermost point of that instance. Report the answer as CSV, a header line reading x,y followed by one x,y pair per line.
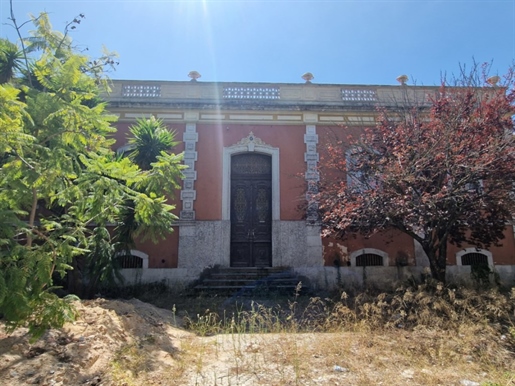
x,y
430,335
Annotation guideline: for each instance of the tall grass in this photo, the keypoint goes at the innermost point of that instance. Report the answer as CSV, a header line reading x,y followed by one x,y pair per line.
x,y
426,305
433,333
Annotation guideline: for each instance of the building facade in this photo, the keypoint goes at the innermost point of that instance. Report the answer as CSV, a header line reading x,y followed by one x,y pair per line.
x,y
253,152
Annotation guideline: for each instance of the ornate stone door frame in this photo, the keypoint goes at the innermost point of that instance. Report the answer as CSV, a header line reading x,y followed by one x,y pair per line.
x,y
249,144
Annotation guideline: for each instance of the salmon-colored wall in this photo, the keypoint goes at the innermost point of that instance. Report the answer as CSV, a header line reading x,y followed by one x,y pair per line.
x,y
290,141
208,204
122,131
502,255
400,246
121,136
164,253
330,135
212,139
397,245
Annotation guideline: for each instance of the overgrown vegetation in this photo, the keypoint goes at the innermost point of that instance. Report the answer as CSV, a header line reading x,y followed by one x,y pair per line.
x,y
61,183
427,305
426,334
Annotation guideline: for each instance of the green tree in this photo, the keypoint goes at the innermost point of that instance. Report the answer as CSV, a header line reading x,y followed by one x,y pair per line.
x,y
61,184
150,146
150,143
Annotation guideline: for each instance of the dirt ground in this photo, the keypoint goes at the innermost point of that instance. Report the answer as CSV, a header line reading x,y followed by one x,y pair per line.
x,y
116,342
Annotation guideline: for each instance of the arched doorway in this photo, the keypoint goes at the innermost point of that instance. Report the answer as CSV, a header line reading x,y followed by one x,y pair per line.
x,y
251,210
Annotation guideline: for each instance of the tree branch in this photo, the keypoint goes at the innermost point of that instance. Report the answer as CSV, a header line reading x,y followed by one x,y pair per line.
x,y
24,50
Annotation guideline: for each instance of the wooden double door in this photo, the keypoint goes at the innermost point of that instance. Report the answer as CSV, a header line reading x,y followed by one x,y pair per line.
x,y
251,210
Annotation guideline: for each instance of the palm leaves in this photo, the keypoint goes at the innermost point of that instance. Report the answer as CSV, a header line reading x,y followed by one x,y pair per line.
x,y
149,138
11,60
150,142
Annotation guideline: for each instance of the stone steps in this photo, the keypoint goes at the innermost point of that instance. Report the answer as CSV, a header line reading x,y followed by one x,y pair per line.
x,y
249,281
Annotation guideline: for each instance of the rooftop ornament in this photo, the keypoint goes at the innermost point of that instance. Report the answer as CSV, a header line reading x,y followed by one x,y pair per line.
x,y
308,77
194,75
402,79
493,80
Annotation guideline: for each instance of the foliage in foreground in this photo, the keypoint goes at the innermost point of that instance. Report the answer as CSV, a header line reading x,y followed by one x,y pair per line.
x,y
439,170
61,184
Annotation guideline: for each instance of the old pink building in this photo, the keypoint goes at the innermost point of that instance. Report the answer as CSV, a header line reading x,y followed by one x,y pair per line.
x,y
253,152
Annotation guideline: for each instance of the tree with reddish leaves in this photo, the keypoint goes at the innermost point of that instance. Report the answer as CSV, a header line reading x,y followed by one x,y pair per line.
x,y
442,172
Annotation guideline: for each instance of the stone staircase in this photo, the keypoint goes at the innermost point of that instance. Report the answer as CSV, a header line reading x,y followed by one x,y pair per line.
x,y
250,281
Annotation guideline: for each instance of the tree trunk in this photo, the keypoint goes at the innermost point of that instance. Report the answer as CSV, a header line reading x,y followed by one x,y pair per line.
x,y
437,260
32,216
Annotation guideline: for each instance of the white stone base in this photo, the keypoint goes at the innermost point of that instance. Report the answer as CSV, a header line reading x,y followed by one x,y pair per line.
x,y
204,244
330,278
295,244
461,274
357,278
172,277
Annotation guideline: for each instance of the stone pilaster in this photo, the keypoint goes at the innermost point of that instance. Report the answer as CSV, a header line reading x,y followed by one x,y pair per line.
x,y
313,229
188,192
311,157
187,230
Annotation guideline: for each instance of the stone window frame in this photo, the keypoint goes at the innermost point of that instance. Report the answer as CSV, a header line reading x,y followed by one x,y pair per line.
x,y
465,251
135,252
356,180
364,251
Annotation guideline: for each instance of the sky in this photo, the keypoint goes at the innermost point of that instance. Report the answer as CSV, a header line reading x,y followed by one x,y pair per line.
x,y
339,41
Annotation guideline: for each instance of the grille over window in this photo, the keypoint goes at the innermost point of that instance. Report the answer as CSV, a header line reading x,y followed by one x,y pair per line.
x,y
130,261
251,164
368,260
474,258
